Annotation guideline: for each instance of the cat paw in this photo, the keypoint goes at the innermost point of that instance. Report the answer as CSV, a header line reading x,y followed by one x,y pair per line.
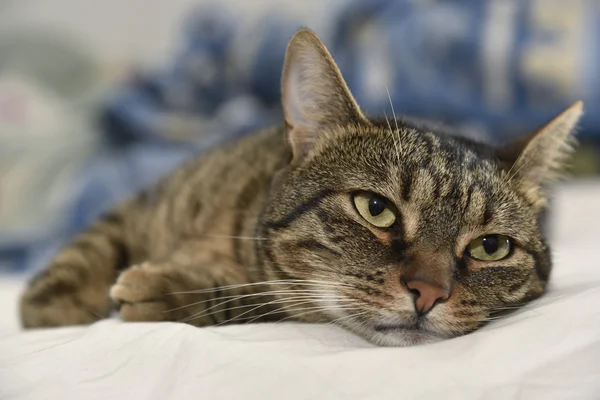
x,y
141,294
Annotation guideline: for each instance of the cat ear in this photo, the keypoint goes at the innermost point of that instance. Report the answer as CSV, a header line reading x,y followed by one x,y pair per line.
x,y
314,93
539,158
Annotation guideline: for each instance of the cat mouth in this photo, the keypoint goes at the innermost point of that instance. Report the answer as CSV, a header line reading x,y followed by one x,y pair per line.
x,y
397,327
412,333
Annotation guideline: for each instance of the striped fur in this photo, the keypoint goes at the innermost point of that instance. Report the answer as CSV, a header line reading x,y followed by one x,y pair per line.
x,y
265,228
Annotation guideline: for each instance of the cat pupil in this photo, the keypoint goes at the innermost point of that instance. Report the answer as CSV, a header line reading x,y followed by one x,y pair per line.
x,y
490,244
376,206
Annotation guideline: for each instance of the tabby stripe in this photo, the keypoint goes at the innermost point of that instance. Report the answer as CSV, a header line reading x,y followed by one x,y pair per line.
x,y
299,211
468,199
212,303
515,287
172,214
268,254
487,212
112,217
275,265
88,248
460,271
283,273
399,246
121,253
245,199
317,246
330,222
429,147
543,263
407,186
115,240
436,188
51,288
453,193
39,277
466,314
145,198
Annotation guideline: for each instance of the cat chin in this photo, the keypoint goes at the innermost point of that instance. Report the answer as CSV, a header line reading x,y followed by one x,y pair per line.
x,y
403,338
397,337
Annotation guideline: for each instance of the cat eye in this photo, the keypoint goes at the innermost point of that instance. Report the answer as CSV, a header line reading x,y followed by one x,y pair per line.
x,y
490,247
375,209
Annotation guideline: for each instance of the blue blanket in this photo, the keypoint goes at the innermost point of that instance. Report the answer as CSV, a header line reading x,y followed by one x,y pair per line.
x,y
495,70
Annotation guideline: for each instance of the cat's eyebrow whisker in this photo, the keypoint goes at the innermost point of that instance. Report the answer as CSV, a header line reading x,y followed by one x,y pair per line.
x,y
524,164
510,177
393,137
395,119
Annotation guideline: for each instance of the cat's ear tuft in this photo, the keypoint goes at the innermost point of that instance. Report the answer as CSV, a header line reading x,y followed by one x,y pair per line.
x,y
314,93
540,158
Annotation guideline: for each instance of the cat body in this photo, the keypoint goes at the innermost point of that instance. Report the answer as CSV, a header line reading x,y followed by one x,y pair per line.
x,y
400,234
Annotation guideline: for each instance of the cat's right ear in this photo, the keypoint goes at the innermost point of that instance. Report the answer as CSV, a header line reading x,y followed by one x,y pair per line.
x,y
314,93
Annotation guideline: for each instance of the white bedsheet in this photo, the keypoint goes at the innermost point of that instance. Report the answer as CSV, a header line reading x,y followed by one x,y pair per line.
x,y
550,350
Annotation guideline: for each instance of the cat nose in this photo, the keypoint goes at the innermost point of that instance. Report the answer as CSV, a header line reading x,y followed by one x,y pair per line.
x,y
427,295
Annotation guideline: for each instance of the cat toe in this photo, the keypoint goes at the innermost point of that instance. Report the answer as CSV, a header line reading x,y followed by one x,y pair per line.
x,y
140,294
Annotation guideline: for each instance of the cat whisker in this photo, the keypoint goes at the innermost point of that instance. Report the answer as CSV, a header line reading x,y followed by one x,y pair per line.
x,y
240,297
514,307
510,177
233,237
228,299
281,309
316,309
351,316
342,303
393,137
295,282
256,306
394,114
251,319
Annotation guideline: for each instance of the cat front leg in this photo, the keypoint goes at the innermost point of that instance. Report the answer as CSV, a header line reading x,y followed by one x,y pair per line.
x,y
194,287
73,289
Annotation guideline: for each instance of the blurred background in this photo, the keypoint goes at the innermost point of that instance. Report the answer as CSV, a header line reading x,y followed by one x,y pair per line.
x,y
99,98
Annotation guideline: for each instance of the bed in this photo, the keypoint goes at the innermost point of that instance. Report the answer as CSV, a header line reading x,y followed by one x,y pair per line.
x,y
549,350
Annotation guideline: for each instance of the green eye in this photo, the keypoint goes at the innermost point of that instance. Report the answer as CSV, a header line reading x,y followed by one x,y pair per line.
x,y
490,247
374,209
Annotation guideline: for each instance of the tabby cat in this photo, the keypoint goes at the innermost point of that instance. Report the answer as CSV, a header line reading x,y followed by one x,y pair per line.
x,y
400,234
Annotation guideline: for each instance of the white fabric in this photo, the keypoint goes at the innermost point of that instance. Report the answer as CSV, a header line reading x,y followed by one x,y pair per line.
x,y
550,350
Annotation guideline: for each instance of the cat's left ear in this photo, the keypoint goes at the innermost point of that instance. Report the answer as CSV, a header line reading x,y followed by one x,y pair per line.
x,y
314,93
539,158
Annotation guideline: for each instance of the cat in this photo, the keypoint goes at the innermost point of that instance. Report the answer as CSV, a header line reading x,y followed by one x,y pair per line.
x,y
400,235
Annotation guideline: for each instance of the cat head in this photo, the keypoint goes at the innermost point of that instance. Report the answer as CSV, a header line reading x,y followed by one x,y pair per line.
x,y
400,234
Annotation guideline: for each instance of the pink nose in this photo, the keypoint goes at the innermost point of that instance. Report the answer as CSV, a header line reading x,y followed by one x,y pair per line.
x,y
426,295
